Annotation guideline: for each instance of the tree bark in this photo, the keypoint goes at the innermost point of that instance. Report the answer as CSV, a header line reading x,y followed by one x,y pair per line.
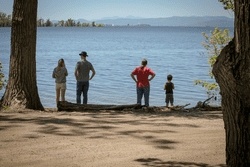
x,y
232,73
21,91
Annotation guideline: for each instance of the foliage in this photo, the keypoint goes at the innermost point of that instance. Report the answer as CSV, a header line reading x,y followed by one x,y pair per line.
x,y
70,23
214,45
99,25
48,23
6,107
40,22
228,4
5,21
85,24
2,79
61,23
78,24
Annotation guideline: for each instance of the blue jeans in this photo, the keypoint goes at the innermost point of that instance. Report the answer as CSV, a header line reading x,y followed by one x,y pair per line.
x,y
143,91
80,89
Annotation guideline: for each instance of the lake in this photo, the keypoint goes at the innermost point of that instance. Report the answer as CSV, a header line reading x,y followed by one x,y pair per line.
x,y
115,52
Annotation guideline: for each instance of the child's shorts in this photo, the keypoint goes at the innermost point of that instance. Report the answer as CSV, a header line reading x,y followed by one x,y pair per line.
x,y
60,85
169,97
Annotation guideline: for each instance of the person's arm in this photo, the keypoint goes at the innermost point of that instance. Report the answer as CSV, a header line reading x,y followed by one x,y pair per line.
x,y
173,85
53,75
93,73
152,77
66,74
165,86
132,75
76,74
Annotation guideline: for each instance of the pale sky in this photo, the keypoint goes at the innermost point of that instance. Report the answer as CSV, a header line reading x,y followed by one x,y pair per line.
x,y
97,9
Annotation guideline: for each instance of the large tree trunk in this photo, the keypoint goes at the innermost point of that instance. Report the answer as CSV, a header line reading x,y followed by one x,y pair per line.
x,y
21,91
232,73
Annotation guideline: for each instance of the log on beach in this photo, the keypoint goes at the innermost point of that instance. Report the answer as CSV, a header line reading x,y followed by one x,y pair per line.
x,y
68,106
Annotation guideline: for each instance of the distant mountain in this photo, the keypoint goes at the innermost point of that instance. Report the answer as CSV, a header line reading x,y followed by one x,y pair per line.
x,y
82,21
218,23
116,17
132,17
111,18
212,21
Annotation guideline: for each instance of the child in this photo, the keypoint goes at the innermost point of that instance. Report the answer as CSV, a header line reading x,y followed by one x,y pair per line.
x,y
169,86
60,73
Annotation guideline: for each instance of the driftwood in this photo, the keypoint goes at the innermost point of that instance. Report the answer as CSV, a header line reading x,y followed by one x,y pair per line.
x,y
204,103
205,107
179,107
67,106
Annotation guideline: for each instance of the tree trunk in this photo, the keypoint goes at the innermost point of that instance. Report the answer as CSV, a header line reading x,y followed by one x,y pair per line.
x,y
21,91
232,73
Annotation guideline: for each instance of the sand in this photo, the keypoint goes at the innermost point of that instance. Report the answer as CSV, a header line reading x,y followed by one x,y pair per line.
x,y
111,139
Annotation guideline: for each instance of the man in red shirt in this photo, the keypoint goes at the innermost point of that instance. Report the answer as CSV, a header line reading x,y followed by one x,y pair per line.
x,y
143,86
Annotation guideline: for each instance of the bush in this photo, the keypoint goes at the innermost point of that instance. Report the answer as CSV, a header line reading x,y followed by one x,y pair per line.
x,y
214,45
2,79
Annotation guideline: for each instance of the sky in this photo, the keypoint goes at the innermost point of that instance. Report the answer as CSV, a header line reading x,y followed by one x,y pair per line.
x,y
97,9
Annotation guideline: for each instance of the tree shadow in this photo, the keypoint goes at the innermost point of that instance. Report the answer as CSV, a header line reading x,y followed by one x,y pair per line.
x,y
97,124
155,162
52,125
157,143
93,127
191,115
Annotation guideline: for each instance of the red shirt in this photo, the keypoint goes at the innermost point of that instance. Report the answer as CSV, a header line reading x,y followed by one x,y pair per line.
x,y
142,76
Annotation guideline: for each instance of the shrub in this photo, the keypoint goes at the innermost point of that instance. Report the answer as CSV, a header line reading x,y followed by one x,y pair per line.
x,y
2,79
214,45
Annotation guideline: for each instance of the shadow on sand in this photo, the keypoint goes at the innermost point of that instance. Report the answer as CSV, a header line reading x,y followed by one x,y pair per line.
x,y
154,162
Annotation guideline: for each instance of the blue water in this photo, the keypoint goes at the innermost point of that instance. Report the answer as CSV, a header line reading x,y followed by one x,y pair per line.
x,y
115,52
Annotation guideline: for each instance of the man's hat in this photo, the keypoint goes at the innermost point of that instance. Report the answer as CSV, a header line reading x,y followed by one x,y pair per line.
x,y
83,54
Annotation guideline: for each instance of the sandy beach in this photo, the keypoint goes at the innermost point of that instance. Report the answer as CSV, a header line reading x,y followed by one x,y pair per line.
x,y
111,139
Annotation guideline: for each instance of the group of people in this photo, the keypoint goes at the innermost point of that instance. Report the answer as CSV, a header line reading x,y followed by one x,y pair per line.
x,y
83,68
81,74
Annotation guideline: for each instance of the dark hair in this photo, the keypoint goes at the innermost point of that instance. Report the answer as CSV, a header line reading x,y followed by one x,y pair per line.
x,y
60,63
144,62
170,77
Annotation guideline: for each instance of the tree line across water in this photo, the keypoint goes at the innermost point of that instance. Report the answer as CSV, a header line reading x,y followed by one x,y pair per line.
x,y
68,23
6,21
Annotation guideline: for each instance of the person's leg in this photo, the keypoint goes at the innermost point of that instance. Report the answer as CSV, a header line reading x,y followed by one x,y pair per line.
x,y
57,92
172,100
78,92
63,91
63,94
57,95
167,100
139,95
85,92
146,95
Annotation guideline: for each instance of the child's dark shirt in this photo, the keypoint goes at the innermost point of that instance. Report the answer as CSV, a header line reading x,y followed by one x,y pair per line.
x,y
169,88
